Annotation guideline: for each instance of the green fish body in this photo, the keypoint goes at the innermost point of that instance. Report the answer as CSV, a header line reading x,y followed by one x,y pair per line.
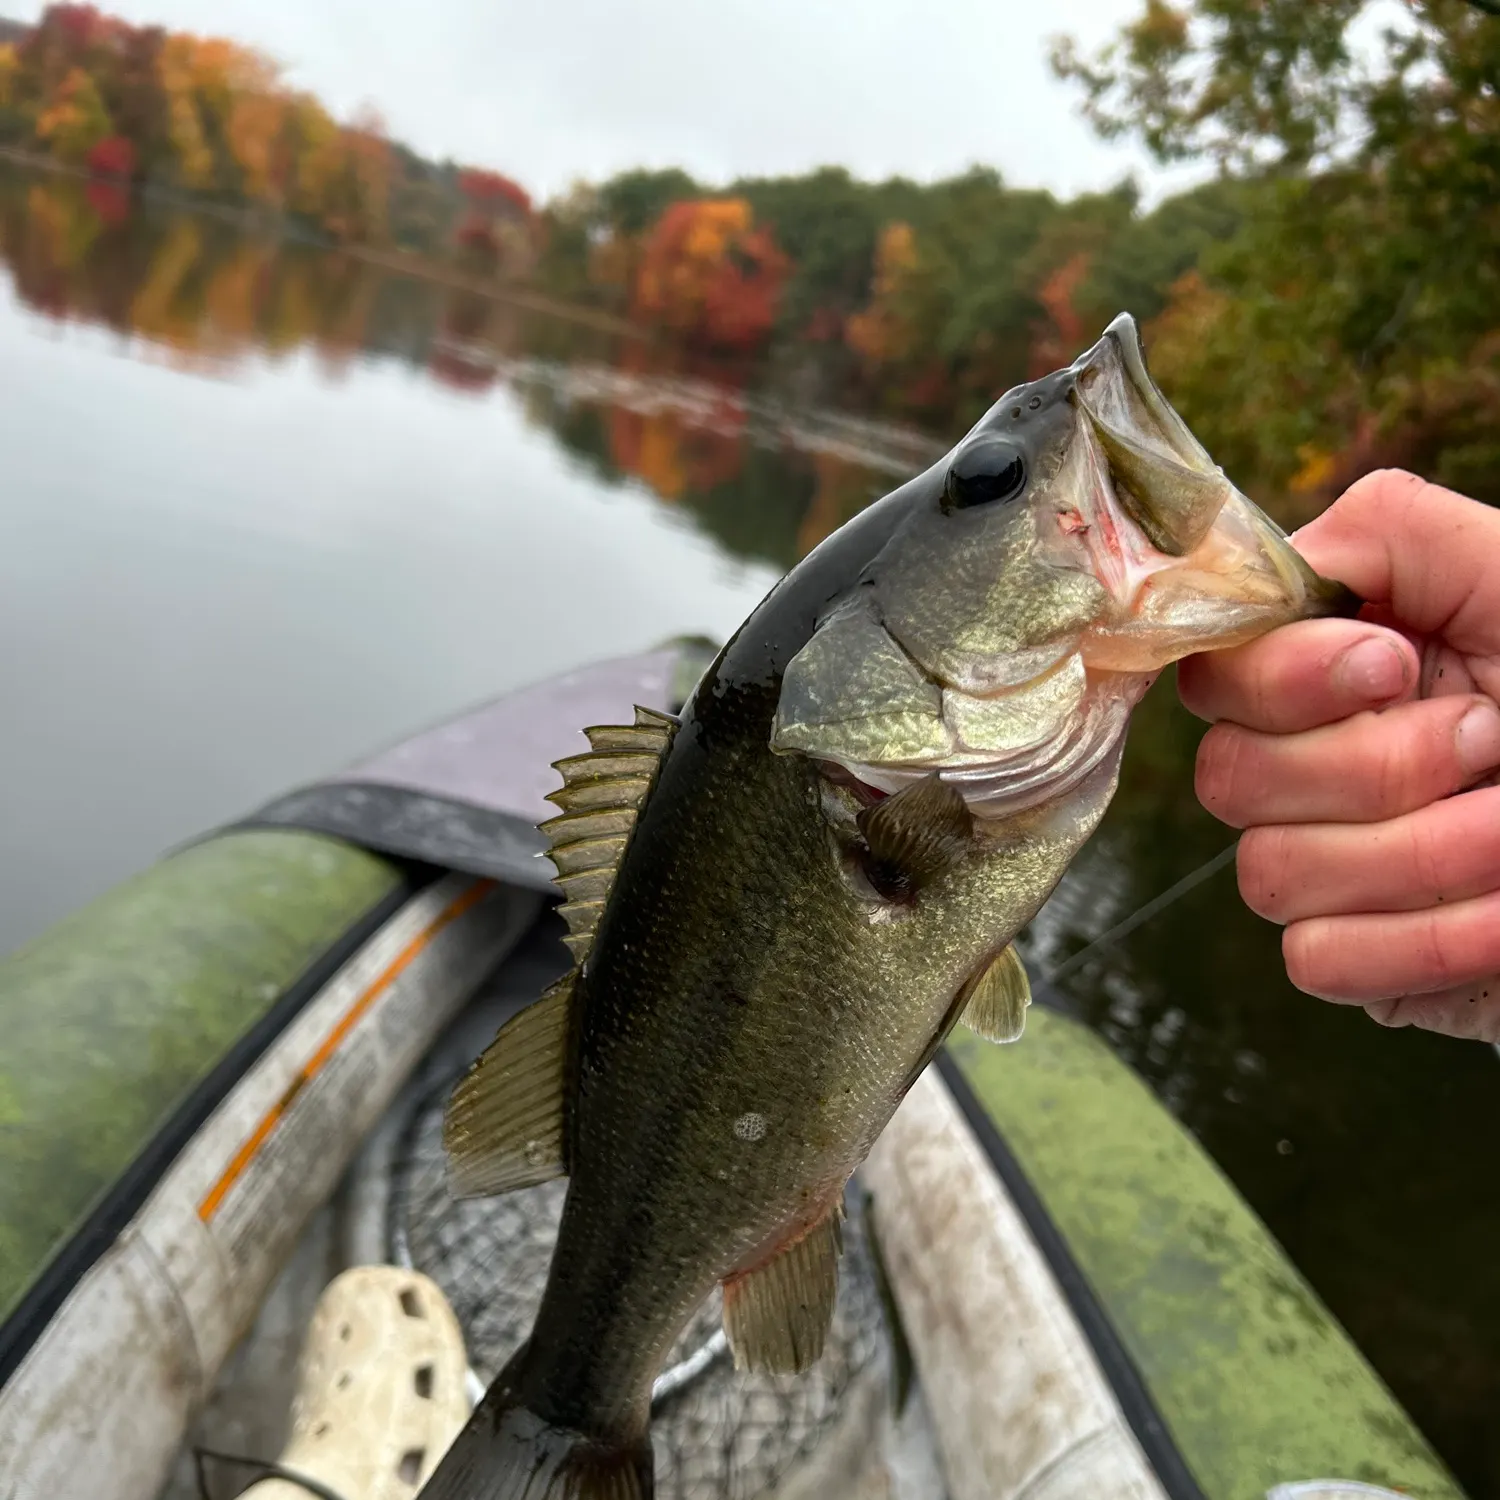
x,y
784,903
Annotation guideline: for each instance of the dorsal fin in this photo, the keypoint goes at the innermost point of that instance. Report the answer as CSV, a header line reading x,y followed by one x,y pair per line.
x,y
601,796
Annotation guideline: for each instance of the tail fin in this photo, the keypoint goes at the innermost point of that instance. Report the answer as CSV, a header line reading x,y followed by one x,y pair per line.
x,y
507,1452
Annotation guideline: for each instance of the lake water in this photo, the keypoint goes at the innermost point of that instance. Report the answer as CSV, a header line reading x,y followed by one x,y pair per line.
x,y
262,509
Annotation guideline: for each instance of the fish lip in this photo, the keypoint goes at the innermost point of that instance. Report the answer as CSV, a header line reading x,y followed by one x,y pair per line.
x,y
1122,339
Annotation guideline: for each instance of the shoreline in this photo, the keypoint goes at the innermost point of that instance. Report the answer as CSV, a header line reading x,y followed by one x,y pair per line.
x,y
280,226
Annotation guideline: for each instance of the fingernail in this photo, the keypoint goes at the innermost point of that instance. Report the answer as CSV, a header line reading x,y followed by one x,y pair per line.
x,y
1374,669
1478,739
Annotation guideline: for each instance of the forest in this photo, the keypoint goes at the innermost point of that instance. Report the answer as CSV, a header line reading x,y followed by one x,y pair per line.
x,y
1327,301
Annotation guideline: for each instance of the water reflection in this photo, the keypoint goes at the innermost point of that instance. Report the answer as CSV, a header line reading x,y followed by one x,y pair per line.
x,y
227,586
213,299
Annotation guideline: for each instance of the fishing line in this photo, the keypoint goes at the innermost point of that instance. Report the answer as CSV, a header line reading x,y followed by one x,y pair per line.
x,y
1144,913
1157,904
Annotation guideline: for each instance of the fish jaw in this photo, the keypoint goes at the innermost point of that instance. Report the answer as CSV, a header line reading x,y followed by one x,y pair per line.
x,y
1188,561
1242,578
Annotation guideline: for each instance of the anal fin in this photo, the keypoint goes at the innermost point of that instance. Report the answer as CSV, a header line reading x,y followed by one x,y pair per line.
x,y
997,998
506,1125
776,1316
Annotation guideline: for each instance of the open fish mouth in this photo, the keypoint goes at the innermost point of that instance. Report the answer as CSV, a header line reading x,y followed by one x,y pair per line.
x,y
1190,562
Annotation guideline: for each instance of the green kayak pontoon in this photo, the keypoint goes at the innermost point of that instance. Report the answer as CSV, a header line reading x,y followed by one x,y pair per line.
x,y
189,1065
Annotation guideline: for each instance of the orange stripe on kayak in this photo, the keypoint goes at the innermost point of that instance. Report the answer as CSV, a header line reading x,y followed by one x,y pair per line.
x,y
456,908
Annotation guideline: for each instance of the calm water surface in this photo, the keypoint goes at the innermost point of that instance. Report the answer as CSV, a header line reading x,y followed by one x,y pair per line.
x,y
262,510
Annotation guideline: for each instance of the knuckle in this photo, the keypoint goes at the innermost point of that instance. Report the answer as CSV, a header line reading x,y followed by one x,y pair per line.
x,y
1404,770
1218,774
1263,866
1393,1013
1266,698
1425,859
1432,953
1389,775
1303,948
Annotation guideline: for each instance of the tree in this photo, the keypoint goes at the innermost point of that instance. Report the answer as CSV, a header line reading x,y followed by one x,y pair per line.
x,y
495,232
954,306
74,119
708,273
632,202
114,156
10,67
829,225
1354,317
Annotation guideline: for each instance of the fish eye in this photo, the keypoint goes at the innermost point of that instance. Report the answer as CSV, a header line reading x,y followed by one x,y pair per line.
x,y
987,470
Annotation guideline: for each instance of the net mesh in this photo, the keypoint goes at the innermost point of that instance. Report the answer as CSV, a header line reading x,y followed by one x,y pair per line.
x,y
722,1433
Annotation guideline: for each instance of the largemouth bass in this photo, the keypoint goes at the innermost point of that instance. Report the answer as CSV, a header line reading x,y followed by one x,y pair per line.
x,y
782,904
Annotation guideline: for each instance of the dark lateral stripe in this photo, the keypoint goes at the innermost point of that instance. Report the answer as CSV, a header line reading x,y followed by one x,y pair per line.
x,y
126,1196
1130,1389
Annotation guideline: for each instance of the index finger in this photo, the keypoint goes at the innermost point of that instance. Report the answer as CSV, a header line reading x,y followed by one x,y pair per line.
x,y
1301,676
1431,555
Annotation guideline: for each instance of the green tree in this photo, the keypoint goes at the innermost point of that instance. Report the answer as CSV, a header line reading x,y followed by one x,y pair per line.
x,y
1354,318
829,224
633,201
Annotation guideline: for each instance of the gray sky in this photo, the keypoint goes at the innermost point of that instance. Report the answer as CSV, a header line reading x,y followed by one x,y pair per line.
x,y
553,90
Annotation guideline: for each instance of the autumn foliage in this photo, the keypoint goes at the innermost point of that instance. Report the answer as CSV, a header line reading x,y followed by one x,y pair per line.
x,y
493,192
708,274
207,116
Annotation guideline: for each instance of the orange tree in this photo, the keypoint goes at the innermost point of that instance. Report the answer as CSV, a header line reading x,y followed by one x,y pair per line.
x,y
710,275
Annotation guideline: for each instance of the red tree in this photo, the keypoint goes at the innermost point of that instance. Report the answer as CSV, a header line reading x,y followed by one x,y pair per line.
x,y
493,192
709,273
115,156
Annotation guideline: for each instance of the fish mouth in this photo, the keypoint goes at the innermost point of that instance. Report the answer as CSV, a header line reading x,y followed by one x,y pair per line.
x,y
1189,562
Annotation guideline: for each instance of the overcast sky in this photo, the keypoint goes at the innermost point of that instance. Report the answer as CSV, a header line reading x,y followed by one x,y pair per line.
x,y
554,90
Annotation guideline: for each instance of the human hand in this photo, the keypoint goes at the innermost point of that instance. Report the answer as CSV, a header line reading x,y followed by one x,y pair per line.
x,y
1359,756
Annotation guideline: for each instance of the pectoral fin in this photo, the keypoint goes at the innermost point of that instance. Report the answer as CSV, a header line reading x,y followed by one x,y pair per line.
x,y
506,1125
776,1317
915,835
997,998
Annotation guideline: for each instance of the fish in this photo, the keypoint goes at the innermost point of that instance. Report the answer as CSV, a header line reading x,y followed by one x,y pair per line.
x,y
782,901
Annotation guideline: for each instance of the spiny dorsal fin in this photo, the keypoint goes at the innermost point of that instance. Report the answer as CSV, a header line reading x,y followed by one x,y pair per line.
x,y
914,835
776,1317
602,793
506,1125
998,997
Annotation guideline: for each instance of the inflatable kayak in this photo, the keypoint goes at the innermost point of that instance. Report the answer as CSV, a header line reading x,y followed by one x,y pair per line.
x,y
189,1065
